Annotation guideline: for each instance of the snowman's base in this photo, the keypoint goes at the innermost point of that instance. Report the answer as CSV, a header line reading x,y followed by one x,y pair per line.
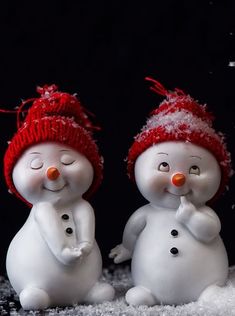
x,y
219,304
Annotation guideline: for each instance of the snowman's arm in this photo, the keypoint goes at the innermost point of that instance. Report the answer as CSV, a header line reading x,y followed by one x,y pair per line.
x,y
84,219
133,228
204,224
50,227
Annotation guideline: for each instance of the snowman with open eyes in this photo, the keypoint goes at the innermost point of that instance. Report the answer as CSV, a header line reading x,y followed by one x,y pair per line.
x,y
51,162
179,164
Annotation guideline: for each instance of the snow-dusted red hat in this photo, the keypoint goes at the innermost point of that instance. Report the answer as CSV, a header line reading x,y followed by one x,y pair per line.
x,y
58,117
180,118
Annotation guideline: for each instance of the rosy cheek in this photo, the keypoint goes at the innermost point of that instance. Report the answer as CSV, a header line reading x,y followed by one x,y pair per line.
x,y
78,176
84,178
72,173
204,186
159,182
34,180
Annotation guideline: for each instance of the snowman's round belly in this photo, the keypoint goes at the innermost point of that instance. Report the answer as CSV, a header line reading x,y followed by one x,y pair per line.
x,y
177,269
31,263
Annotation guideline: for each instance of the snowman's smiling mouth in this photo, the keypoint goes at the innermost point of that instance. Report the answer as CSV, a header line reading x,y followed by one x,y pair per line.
x,y
180,194
54,190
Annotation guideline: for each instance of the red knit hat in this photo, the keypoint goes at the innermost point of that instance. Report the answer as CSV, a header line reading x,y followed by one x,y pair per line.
x,y
58,117
180,118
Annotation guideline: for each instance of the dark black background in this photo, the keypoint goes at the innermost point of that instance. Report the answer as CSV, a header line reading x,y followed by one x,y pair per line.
x,y
103,51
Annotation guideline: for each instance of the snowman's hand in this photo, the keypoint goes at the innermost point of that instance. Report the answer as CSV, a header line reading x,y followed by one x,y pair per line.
x,y
185,210
203,223
120,254
85,248
69,256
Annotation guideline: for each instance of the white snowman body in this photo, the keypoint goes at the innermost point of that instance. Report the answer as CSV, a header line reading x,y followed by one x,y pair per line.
x,y
175,278
54,259
177,253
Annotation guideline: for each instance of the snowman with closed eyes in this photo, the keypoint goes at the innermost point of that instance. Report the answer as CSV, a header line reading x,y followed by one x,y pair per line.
x,y
51,164
180,164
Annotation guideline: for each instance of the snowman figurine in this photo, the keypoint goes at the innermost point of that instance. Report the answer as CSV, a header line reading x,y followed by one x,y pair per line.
x,y
52,163
180,164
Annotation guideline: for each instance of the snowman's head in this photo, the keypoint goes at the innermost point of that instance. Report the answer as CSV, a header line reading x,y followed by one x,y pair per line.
x,y
52,172
173,128
59,118
171,169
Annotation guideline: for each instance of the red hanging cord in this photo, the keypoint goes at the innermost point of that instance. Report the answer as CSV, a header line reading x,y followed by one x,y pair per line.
x,y
8,111
20,111
157,87
179,91
17,111
45,92
160,89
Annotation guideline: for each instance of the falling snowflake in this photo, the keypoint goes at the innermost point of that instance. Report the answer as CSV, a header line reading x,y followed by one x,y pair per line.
x,y
231,64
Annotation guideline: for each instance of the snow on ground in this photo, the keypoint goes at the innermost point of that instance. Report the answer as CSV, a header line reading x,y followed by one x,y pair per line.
x,y
220,304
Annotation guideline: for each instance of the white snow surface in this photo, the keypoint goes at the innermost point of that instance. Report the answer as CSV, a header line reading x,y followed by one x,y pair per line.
x,y
173,121
221,303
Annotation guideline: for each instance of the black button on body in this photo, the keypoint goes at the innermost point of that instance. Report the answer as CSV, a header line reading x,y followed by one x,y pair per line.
x,y
174,251
69,230
174,233
65,217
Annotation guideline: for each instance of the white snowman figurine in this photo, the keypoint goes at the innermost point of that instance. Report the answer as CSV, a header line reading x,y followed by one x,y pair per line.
x,y
51,162
179,164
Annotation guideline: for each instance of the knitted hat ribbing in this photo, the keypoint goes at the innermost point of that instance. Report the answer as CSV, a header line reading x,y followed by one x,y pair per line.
x,y
180,118
58,117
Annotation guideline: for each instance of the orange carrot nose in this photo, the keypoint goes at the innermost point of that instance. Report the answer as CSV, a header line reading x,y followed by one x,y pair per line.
x,y
52,173
178,179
